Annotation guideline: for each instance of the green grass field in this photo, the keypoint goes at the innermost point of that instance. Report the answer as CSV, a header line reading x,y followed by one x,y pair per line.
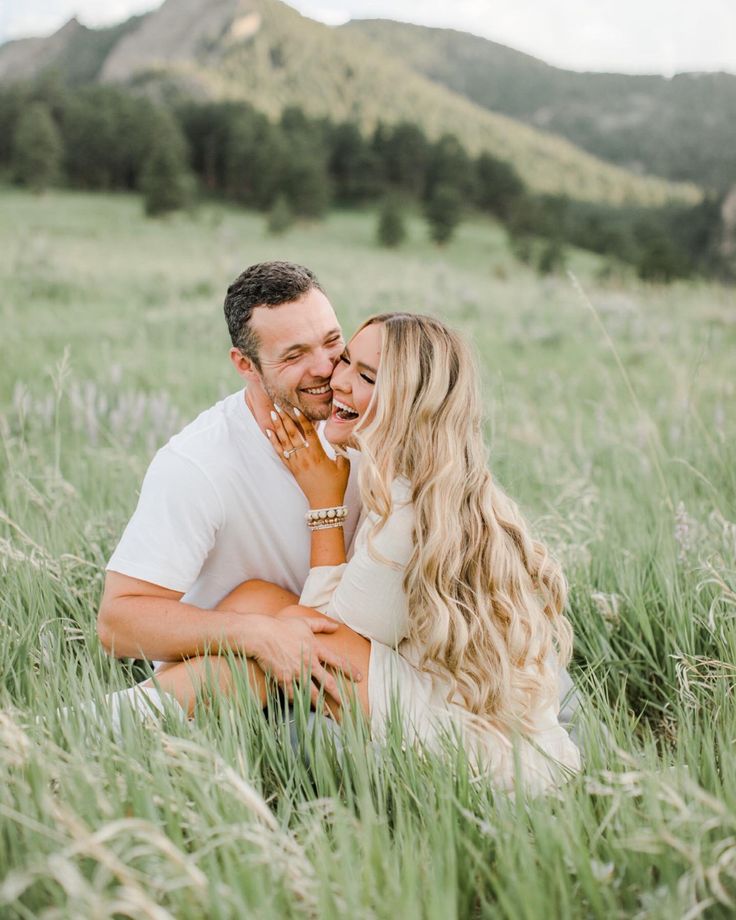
x,y
611,420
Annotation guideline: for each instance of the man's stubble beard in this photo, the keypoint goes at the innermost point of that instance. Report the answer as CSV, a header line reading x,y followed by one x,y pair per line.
x,y
292,398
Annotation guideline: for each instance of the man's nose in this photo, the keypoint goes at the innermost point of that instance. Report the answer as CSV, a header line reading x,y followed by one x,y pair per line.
x,y
323,363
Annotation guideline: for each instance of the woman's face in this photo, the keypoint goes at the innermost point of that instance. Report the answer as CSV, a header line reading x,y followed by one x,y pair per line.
x,y
353,382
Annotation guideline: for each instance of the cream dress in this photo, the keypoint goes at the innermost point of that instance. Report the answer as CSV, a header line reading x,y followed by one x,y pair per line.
x,y
367,594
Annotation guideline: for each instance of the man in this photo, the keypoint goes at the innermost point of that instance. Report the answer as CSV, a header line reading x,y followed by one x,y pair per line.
x,y
218,507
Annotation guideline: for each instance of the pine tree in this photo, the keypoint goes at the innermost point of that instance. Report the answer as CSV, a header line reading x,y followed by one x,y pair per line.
x,y
391,230
403,152
449,166
280,217
37,148
165,181
305,180
498,185
551,259
443,211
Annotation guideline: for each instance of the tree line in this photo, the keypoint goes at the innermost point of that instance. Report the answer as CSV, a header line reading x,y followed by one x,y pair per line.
x,y
101,137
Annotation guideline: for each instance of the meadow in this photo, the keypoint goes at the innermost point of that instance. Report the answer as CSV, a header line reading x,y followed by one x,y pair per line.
x,y
610,418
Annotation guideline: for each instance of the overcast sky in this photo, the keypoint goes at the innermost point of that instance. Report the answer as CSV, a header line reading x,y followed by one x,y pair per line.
x,y
634,36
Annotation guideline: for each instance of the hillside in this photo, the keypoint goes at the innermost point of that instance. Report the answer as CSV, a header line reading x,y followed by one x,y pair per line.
x,y
264,52
682,128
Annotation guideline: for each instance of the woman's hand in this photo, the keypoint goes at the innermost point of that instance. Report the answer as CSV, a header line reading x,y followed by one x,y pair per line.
x,y
296,441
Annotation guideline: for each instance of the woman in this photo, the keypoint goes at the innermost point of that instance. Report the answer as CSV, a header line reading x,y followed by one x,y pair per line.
x,y
447,601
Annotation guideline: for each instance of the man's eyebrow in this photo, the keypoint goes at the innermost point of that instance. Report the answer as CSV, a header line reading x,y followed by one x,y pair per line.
x,y
299,346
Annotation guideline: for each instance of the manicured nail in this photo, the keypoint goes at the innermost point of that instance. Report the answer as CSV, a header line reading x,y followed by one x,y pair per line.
x,y
268,433
297,412
278,408
274,416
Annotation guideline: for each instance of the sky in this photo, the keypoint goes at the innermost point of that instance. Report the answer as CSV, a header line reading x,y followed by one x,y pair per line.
x,y
628,36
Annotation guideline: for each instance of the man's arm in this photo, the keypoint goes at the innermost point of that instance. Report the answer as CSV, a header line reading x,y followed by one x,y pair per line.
x,y
138,619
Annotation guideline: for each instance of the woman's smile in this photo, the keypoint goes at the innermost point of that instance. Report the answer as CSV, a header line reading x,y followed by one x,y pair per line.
x,y
341,412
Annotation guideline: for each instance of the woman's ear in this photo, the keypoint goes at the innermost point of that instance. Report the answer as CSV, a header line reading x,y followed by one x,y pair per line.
x,y
244,366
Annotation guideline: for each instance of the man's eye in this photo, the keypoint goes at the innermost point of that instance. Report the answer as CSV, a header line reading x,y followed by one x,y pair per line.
x,y
291,357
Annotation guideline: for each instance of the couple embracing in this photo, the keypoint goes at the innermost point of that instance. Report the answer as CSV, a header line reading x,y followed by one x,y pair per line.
x,y
338,516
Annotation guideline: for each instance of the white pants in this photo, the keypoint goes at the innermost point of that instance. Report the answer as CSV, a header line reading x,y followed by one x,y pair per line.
x,y
146,702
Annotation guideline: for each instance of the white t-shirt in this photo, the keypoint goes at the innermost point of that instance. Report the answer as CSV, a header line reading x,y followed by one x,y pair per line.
x,y
218,507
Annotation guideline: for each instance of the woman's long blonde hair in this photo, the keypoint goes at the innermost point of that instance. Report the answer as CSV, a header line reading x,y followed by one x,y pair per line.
x,y
485,599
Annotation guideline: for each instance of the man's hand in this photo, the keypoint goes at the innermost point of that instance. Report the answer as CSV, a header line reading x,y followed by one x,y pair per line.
x,y
286,649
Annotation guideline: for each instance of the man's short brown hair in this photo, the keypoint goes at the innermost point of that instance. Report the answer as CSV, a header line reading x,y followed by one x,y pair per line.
x,y
265,284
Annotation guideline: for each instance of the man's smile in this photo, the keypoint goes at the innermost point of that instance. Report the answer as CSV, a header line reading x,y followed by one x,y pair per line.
x,y
317,391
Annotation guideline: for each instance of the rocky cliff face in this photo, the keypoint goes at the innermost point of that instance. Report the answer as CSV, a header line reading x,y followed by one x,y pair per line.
x,y
179,33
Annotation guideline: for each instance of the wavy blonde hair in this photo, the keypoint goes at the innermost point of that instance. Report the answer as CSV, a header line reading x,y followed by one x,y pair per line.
x,y
485,599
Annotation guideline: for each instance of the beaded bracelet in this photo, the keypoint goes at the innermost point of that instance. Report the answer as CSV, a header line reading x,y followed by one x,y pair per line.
x,y
327,525
316,516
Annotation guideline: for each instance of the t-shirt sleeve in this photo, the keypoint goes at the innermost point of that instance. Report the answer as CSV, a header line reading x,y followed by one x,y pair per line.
x,y
173,527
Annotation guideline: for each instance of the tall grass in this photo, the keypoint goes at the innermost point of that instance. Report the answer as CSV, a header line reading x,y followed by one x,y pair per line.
x,y
112,339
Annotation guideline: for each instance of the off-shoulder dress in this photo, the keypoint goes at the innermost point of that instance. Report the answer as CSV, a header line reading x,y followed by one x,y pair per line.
x,y
367,594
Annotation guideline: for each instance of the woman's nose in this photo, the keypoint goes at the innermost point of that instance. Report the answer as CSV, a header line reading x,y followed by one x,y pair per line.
x,y
338,381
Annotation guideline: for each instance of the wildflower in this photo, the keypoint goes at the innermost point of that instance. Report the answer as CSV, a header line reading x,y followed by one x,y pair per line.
x,y
684,532
608,605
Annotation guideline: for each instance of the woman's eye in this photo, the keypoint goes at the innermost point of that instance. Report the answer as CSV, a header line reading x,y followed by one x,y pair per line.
x,y
345,359
367,379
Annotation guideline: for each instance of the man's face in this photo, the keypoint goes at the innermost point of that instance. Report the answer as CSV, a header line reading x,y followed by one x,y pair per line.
x,y
300,344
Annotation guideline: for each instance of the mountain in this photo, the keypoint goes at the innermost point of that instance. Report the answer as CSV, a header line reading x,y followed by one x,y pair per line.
x,y
75,51
266,53
682,128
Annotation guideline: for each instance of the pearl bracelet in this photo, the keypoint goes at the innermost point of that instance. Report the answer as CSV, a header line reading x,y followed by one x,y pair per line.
x,y
334,517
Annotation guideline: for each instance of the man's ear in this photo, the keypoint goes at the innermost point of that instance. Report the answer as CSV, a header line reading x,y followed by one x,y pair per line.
x,y
244,366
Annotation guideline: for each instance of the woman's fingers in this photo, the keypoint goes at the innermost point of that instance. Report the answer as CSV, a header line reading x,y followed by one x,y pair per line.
x,y
294,432
279,436
305,424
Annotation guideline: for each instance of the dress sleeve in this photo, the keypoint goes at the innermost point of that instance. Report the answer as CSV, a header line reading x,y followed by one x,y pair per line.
x,y
367,593
320,585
